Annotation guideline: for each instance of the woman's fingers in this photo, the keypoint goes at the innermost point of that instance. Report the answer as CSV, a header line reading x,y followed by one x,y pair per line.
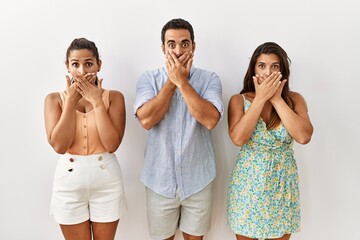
x,y
68,81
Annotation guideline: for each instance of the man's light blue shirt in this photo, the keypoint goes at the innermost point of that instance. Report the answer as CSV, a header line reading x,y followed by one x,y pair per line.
x,y
179,154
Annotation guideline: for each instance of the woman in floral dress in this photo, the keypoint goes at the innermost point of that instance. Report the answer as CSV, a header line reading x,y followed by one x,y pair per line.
x,y
264,119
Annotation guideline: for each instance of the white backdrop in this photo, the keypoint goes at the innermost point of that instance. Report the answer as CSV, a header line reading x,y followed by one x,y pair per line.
x,y
321,38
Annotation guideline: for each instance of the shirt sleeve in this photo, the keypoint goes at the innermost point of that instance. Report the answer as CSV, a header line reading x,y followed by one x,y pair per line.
x,y
213,93
144,91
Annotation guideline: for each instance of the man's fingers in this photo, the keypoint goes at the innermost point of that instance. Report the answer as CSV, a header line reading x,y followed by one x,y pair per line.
x,y
174,57
189,64
170,59
183,58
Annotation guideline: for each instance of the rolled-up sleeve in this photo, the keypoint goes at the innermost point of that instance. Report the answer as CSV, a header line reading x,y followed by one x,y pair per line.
x,y
213,93
144,91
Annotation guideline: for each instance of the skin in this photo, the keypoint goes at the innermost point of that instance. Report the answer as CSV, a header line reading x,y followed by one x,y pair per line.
x,y
187,237
81,94
178,50
82,231
268,88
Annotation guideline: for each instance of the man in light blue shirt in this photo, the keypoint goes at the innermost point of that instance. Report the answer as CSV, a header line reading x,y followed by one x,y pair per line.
x,y
179,105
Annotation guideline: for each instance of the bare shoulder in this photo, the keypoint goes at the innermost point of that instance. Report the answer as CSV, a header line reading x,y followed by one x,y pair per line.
x,y
235,109
116,94
236,96
236,103
53,98
297,97
236,99
116,97
53,103
298,100
239,98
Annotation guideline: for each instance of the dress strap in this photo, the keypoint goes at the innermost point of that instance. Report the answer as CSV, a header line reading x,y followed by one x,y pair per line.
x,y
243,97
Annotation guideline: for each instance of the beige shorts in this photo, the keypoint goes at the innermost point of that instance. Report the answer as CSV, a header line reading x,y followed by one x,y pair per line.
x,y
88,187
192,215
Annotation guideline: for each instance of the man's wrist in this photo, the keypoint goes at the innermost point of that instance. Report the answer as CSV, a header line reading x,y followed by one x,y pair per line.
x,y
183,84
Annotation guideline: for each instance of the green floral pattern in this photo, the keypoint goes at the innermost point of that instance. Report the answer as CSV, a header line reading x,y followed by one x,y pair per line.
x,y
263,194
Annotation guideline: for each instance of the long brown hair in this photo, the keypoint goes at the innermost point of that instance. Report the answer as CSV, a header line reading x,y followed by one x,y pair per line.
x,y
268,48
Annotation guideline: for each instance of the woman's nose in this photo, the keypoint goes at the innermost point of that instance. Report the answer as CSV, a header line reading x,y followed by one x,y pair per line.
x,y
267,72
82,70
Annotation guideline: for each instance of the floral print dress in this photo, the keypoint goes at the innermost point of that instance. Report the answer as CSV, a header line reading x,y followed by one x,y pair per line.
x,y
263,194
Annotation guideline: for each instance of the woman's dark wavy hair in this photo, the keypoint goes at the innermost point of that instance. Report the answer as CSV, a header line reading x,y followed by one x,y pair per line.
x,y
268,48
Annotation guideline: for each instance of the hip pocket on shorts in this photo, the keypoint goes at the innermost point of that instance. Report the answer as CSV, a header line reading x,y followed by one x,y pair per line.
x,y
63,171
113,168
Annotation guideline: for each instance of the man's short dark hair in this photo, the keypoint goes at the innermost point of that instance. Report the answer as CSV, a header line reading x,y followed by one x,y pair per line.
x,y
177,23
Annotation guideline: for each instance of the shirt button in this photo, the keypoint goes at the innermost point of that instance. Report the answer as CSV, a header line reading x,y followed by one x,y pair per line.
x,y
100,158
102,166
70,169
71,160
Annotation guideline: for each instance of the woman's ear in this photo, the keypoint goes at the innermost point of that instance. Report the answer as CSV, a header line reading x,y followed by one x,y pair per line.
x,y
99,64
67,66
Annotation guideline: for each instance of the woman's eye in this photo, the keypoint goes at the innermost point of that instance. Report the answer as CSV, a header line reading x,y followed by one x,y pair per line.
x,y
75,65
276,66
89,64
261,66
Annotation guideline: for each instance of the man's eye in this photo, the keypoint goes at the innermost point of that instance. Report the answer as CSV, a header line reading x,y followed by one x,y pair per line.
x,y
171,45
185,45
